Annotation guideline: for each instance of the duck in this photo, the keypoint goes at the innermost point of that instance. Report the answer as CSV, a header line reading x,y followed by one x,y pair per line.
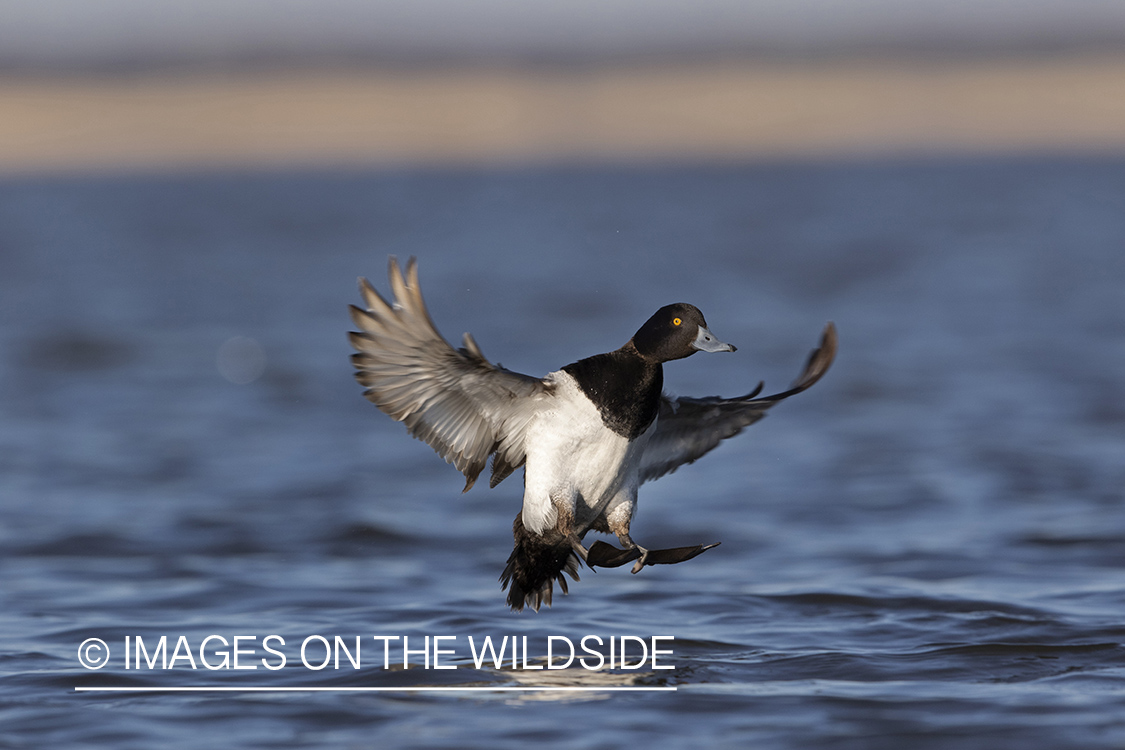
x,y
587,435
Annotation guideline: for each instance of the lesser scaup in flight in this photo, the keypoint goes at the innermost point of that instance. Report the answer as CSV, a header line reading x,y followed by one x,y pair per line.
x,y
587,435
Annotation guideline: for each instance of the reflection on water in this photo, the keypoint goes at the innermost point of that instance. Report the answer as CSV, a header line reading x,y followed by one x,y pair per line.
x,y
924,550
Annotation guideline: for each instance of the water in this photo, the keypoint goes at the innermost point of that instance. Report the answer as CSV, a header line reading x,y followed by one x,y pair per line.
x,y
924,550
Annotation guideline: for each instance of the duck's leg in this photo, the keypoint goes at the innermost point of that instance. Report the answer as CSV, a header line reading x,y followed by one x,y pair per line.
x,y
669,556
565,526
619,524
616,521
576,545
627,541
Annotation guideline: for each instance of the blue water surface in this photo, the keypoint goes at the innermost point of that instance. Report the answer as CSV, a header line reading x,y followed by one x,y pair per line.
x,y
925,550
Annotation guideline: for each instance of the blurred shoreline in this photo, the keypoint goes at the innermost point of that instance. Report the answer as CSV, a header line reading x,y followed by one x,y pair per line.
x,y
466,115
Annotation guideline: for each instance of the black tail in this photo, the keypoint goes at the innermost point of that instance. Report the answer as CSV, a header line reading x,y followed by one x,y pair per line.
x,y
536,562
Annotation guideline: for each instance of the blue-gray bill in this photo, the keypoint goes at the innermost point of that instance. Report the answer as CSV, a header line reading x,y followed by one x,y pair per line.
x,y
705,341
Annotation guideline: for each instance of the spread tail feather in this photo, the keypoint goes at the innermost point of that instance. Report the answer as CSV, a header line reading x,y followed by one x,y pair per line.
x,y
536,562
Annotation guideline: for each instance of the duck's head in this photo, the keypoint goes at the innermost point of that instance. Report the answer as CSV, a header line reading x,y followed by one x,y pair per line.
x,y
674,332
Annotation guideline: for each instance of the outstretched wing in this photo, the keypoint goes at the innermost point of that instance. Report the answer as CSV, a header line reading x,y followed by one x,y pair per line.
x,y
455,400
687,428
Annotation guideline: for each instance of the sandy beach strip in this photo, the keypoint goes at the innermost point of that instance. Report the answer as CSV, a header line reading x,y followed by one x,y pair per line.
x,y
449,116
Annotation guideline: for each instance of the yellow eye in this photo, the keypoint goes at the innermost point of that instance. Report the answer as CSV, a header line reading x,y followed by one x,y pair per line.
x,y
676,321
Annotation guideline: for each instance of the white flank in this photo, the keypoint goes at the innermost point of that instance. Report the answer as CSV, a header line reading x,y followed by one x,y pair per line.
x,y
574,459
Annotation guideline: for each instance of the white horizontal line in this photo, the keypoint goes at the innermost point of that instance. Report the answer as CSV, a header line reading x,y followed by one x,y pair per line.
x,y
436,689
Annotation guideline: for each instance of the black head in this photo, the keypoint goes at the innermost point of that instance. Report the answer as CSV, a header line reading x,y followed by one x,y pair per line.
x,y
674,332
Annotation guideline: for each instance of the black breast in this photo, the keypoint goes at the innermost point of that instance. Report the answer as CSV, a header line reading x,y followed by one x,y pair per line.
x,y
625,388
